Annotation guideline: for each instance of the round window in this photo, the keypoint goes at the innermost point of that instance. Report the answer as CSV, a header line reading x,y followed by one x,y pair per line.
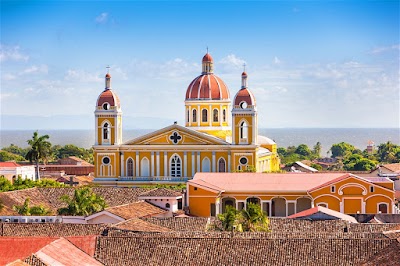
x,y
243,105
243,160
106,106
106,160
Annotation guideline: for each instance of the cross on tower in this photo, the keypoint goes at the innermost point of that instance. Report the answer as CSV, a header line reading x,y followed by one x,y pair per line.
x,y
175,137
108,69
244,67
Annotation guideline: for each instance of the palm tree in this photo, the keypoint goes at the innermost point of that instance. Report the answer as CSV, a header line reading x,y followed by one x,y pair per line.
x,y
84,202
254,219
228,218
40,150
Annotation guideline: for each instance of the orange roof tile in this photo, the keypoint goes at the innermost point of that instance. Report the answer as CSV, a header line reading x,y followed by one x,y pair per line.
x,y
394,167
135,210
9,164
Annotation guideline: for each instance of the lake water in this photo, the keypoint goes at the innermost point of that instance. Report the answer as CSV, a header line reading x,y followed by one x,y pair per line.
x,y
284,137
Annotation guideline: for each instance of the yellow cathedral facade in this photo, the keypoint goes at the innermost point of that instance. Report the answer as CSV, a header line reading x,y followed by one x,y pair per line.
x,y
219,135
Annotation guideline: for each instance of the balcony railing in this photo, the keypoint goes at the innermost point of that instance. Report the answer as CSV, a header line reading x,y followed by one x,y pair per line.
x,y
154,178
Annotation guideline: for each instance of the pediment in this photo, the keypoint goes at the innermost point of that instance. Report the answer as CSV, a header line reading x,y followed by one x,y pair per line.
x,y
176,135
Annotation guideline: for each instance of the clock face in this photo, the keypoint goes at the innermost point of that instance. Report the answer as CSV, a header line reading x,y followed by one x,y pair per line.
x,y
243,105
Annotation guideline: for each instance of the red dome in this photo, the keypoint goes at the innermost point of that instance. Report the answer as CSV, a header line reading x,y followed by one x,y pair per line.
x,y
108,96
207,58
108,75
244,73
207,86
244,95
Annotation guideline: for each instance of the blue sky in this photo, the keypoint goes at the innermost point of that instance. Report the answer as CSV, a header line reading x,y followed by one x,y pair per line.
x,y
310,63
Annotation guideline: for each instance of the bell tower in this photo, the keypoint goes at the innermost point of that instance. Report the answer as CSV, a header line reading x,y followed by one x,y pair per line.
x,y
244,116
108,116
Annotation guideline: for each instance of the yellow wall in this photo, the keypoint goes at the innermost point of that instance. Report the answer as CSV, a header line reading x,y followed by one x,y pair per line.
x,y
200,200
111,120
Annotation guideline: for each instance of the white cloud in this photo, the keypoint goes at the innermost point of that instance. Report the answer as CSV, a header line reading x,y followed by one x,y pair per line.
x,y
102,18
11,53
82,76
35,69
7,77
4,96
383,49
277,60
232,60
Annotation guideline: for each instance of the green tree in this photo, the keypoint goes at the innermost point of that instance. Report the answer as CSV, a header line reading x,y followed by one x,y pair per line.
x,y
229,219
303,149
388,152
317,149
25,209
357,162
5,184
39,150
251,219
14,149
8,156
84,202
341,149
254,219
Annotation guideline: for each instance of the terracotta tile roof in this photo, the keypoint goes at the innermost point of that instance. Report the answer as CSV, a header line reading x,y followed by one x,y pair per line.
x,y
13,248
389,256
135,210
318,209
17,263
50,229
394,167
136,224
9,164
50,197
161,192
181,223
264,182
368,227
63,252
34,261
236,251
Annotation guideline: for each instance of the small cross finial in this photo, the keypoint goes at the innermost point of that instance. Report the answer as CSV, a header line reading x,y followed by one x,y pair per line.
x,y
108,69
244,67
207,49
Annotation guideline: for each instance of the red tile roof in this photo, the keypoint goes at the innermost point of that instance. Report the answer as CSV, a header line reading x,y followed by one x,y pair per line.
x,y
9,164
394,167
250,182
324,210
136,210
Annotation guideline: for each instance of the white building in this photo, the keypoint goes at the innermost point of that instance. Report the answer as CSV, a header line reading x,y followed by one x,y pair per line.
x,y
12,170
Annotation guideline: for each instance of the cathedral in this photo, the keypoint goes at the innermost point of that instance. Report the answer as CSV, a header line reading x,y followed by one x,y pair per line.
x,y
219,135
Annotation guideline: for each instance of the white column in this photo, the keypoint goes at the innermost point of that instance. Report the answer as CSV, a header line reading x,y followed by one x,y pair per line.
x,y
137,164
213,162
193,164
270,208
185,164
286,204
220,115
190,116
233,130
210,115
122,164
229,162
363,203
198,115
152,163
217,206
198,162
341,207
96,126
165,164
158,163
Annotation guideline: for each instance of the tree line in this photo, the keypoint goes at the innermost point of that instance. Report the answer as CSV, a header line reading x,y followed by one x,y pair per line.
x,y
348,157
41,150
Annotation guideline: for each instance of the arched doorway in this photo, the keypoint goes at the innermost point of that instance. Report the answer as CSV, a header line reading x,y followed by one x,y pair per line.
x,y
221,165
303,204
228,202
279,207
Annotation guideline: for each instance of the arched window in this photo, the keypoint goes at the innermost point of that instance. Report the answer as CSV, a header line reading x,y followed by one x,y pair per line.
x,y
106,131
243,130
145,167
383,208
215,115
206,166
204,115
224,115
167,205
129,167
175,166
221,165
194,115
